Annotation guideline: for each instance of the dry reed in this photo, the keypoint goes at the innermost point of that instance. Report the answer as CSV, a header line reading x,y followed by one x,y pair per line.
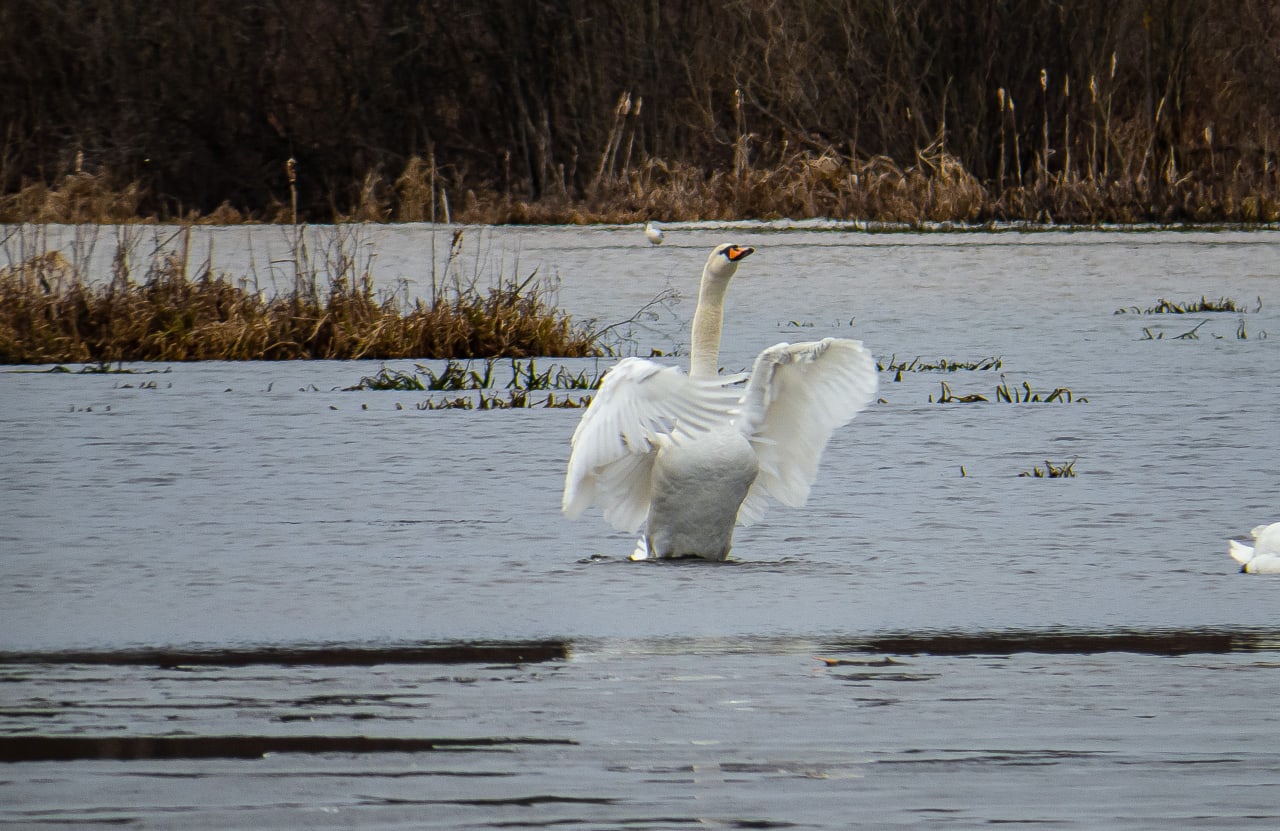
x,y
49,313
936,187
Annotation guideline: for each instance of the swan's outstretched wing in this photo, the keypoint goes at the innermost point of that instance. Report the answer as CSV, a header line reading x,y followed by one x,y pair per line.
x,y
797,396
613,448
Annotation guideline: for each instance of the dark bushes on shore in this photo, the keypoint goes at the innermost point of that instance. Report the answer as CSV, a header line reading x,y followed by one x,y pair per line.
x,y
590,110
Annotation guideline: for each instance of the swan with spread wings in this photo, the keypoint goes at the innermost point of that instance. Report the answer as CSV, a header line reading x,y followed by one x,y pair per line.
x,y
688,457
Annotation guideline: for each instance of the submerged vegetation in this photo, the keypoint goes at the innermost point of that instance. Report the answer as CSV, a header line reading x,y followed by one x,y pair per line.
x,y
1067,470
51,313
913,111
1241,333
524,378
1009,395
1222,304
941,365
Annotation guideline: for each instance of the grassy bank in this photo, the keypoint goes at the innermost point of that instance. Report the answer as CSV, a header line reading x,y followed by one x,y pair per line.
x,y
51,313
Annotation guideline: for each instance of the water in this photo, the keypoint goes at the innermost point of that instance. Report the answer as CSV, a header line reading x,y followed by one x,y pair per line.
x,y
246,555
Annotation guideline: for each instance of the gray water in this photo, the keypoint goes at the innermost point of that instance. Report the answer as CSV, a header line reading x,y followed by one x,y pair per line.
x,y
233,557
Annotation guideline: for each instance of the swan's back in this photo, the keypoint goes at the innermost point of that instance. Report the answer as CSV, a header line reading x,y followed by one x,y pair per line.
x,y
639,403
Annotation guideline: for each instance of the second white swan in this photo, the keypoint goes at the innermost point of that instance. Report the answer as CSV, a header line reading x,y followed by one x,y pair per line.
x,y
1263,557
686,457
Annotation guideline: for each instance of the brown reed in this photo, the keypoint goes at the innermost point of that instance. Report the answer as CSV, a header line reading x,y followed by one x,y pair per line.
x,y
50,314
937,187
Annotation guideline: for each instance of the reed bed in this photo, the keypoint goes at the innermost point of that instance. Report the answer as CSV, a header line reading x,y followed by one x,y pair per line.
x,y
50,313
935,189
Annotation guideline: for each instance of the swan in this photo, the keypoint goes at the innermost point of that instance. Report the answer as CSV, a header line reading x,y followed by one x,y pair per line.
x,y
686,457
653,233
1263,557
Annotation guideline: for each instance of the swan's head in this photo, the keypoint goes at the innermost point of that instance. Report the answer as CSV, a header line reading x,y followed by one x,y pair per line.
x,y
724,260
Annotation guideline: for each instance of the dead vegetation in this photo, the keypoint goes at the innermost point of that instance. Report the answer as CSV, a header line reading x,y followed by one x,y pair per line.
x,y
50,313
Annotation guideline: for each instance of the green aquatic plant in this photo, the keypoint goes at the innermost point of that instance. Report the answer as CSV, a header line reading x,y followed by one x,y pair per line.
x,y
457,376
947,397
511,400
1066,470
527,377
390,379
1191,334
1023,394
481,385
940,365
1167,307
454,376
1241,333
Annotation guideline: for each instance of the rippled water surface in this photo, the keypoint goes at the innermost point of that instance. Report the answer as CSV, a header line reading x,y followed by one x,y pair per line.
x,y
260,575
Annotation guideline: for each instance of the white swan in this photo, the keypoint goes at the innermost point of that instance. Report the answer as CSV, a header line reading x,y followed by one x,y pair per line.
x,y
688,456
653,233
1263,557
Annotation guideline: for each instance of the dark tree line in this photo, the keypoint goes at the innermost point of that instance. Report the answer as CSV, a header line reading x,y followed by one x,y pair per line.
x,y
202,103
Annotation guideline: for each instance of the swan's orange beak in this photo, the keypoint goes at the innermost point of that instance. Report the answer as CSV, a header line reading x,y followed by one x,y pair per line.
x,y
739,252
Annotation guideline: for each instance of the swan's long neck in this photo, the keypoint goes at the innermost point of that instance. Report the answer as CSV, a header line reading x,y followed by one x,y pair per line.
x,y
708,318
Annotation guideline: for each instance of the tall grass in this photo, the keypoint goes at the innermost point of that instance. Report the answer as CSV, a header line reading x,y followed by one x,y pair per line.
x,y
51,313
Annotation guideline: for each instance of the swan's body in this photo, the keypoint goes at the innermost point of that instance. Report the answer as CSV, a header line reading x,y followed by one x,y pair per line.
x,y
653,233
1263,557
686,457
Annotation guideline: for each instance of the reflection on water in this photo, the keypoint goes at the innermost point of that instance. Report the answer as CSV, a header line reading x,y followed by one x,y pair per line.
x,y
325,655
653,737
334,587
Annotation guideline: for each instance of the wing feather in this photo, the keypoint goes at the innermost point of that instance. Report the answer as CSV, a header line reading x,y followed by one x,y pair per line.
x,y
797,396
638,404
1240,552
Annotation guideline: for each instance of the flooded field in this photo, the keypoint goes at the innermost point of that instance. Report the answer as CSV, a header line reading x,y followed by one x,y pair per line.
x,y
241,595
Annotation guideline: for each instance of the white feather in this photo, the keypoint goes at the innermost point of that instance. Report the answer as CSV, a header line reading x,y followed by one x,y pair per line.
x,y
687,457
1240,552
638,402
1263,557
798,395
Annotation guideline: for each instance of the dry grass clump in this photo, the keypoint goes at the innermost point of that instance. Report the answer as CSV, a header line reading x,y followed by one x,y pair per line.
x,y
50,314
78,197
